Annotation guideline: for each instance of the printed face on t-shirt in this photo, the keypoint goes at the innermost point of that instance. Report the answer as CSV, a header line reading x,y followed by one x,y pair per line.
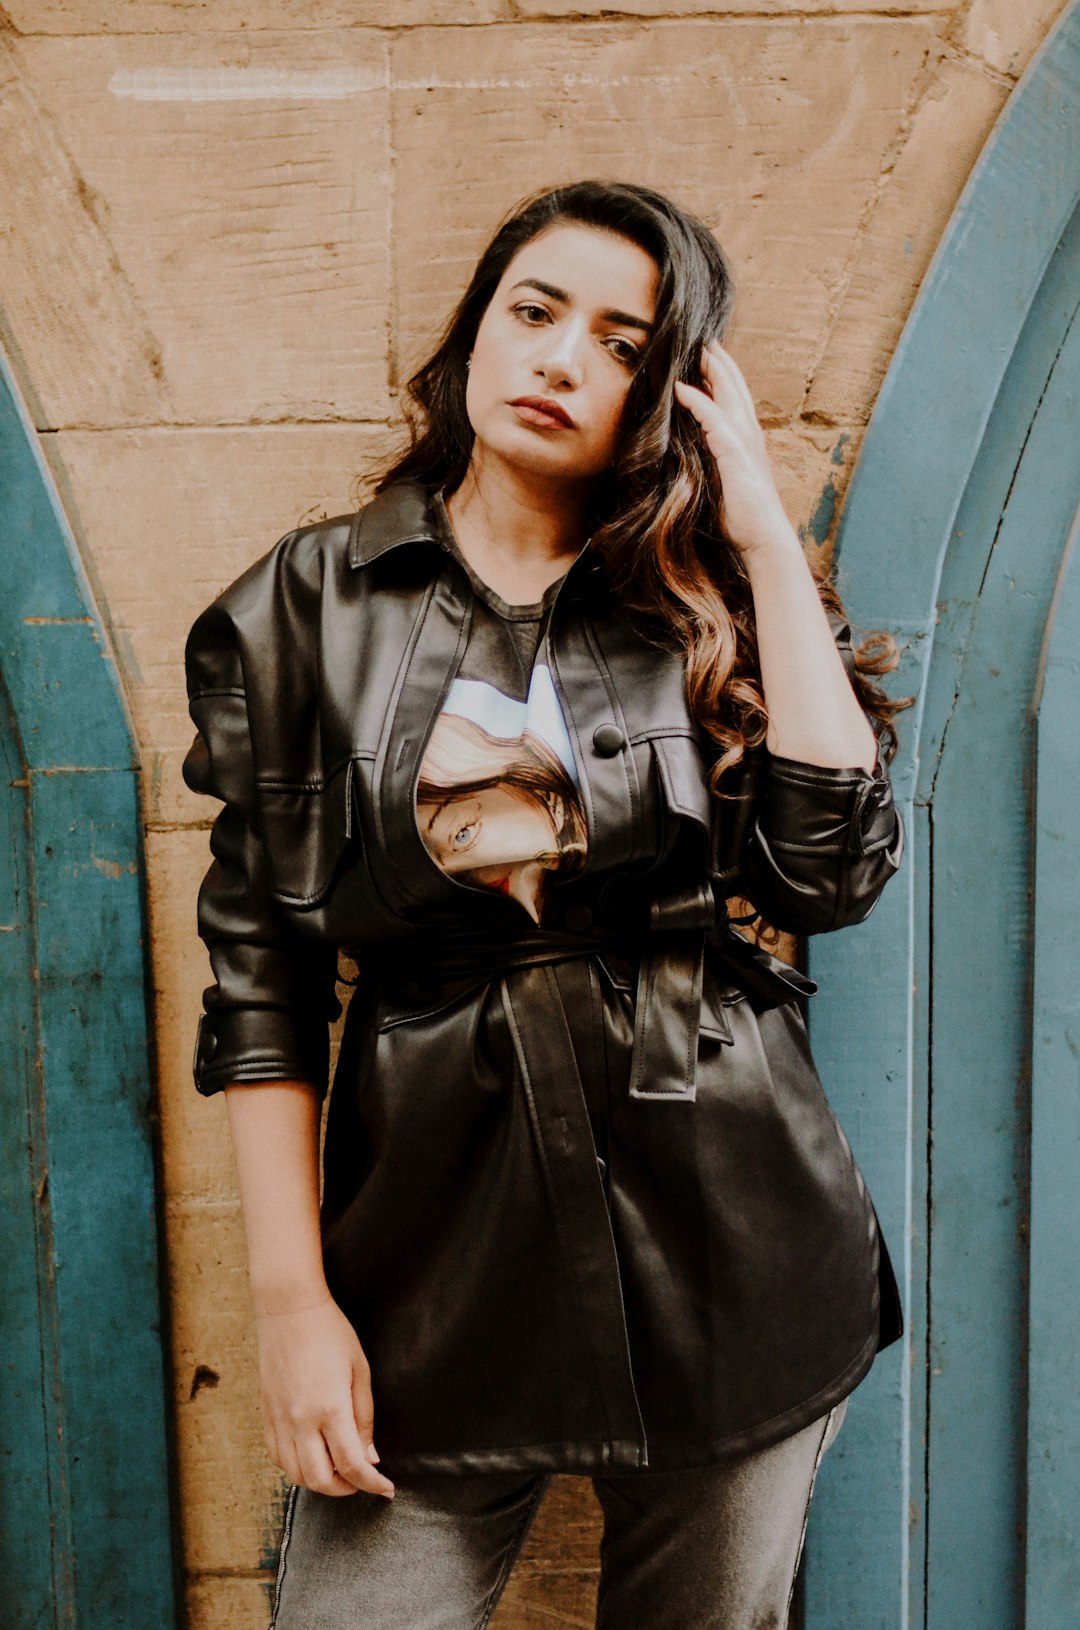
x,y
497,801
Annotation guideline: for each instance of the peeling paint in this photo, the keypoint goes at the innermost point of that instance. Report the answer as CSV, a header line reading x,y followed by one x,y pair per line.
x,y
203,1376
242,84
109,868
821,521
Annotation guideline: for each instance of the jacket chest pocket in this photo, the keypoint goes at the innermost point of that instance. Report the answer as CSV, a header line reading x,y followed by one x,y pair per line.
x,y
308,830
682,776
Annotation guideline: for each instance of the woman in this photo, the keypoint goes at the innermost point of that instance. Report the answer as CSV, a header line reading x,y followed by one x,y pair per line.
x,y
585,1206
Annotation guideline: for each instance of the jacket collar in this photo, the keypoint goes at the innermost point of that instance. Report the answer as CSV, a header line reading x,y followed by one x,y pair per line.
x,y
405,513
401,514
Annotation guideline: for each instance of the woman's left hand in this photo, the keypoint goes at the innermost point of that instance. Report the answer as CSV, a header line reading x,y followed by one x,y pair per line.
x,y
751,512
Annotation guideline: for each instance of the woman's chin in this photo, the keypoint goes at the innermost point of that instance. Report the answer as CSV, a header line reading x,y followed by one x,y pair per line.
x,y
531,457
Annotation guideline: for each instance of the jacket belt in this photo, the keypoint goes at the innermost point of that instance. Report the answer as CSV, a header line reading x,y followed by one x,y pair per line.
x,y
667,1007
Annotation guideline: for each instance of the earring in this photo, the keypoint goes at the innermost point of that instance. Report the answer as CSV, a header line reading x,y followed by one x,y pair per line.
x,y
468,362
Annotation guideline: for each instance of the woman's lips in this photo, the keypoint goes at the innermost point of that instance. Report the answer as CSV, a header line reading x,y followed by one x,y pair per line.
x,y
537,410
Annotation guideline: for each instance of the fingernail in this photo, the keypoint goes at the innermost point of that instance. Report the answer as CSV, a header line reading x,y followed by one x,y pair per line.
x,y
373,1454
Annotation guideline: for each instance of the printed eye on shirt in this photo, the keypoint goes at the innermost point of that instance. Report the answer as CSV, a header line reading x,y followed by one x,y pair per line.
x,y
498,803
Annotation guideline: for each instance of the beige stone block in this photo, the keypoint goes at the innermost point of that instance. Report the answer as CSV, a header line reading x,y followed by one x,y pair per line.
x,y
773,132
242,184
696,8
222,16
1006,34
557,1572
221,1602
165,520
198,1163
947,134
70,320
231,1497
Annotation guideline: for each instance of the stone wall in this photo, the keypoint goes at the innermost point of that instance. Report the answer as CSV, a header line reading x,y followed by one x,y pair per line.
x,y
232,228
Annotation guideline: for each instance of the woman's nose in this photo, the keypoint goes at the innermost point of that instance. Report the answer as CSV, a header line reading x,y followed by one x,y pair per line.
x,y
562,359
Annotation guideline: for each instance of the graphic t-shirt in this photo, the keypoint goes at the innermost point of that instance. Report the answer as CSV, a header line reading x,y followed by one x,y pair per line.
x,y
498,803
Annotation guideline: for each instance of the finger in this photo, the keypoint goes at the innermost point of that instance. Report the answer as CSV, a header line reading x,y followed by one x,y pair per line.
x,y
364,1419
699,402
723,365
726,385
288,1461
363,1401
349,1454
704,410
720,370
270,1438
317,1468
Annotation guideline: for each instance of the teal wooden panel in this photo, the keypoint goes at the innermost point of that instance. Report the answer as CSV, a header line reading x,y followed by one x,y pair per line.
x,y
864,1551
77,1103
980,1062
977,711
1053,1447
101,1182
32,1544
63,687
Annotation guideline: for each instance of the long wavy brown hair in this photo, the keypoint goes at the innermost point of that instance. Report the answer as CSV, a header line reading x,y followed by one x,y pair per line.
x,y
655,515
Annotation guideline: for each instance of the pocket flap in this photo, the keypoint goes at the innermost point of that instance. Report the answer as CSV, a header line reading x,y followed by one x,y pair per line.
x,y
306,831
683,776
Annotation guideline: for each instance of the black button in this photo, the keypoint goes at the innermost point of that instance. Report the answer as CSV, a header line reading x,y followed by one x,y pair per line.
x,y
208,1044
608,740
579,919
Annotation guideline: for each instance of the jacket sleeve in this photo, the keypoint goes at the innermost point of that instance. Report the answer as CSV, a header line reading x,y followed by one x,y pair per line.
x,y
266,1017
821,843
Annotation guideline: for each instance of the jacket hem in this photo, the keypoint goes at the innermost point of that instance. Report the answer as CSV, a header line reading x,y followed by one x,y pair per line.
x,y
625,1455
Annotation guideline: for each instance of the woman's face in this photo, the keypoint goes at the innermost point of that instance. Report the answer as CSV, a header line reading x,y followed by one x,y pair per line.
x,y
556,351
482,836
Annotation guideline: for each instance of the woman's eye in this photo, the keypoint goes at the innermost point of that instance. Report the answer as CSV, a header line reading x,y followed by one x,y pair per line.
x,y
531,313
624,350
464,836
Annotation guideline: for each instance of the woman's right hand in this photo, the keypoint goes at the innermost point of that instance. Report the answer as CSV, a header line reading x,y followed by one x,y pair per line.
x,y
316,1398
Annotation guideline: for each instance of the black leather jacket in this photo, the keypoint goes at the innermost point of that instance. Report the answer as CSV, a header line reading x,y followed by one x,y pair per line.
x,y
585,1201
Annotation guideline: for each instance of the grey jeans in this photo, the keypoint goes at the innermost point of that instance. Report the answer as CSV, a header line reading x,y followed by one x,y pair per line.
x,y
707,1548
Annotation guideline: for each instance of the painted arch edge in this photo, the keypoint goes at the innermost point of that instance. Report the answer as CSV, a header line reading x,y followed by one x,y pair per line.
x,y
928,421
1052,1575
971,309
91,994
59,664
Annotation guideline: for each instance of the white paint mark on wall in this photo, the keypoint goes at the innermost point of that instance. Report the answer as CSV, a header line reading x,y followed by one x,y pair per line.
x,y
282,84
501,82
243,84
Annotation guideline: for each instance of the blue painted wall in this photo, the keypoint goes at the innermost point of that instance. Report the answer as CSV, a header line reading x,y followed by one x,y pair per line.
x,y
953,535
85,1521
1052,1584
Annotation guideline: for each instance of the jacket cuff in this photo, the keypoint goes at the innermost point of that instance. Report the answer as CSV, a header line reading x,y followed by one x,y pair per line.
x,y
813,807
260,1044
822,846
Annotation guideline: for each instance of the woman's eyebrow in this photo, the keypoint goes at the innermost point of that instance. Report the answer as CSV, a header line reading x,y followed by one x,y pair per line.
x,y
624,317
439,807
